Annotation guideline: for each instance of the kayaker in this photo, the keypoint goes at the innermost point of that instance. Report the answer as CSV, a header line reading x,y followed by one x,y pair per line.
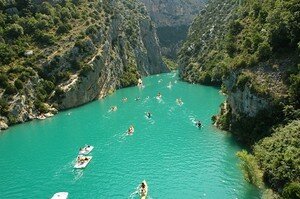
x,y
148,114
143,190
198,124
159,95
130,130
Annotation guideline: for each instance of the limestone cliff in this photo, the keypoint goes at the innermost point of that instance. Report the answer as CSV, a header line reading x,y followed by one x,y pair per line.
x,y
107,45
173,12
173,18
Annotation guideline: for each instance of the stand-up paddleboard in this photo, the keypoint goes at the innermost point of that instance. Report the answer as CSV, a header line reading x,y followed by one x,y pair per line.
x,y
60,195
82,162
86,150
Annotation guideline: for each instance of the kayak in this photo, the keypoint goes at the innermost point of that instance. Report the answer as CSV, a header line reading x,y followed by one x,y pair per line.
x,y
82,161
86,150
144,193
60,195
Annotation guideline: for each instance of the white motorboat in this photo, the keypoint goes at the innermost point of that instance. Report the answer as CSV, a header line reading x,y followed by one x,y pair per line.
x,y
60,195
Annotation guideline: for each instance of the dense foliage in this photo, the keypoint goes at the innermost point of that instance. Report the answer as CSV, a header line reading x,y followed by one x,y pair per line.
x,y
227,36
46,44
253,47
279,154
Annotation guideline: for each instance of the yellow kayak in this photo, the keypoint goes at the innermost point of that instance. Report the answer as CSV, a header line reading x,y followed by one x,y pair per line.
x,y
144,190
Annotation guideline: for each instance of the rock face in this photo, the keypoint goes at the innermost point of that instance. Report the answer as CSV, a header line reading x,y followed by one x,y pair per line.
x,y
173,12
173,18
106,71
93,60
243,101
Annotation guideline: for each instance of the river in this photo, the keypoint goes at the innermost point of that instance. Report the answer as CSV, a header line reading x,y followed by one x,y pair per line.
x,y
177,159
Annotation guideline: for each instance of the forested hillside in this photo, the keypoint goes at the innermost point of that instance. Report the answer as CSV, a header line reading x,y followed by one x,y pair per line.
x,y
62,54
252,48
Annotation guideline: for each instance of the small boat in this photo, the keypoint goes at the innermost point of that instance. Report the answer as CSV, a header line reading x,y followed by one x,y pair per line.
x,y
60,195
82,161
179,102
130,131
49,114
140,82
41,117
113,108
86,150
158,96
143,190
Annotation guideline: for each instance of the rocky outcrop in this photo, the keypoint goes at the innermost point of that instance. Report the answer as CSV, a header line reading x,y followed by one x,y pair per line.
x,y
141,52
3,123
94,59
243,100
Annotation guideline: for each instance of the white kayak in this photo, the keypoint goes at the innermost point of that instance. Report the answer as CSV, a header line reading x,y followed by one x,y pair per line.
x,y
60,195
86,150
82,161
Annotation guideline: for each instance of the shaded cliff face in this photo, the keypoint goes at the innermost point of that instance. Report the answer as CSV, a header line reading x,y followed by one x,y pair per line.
x,y
173,19
173,12
105,46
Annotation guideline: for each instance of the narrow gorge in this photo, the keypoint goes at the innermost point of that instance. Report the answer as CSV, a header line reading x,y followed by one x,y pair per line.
x,y
56,55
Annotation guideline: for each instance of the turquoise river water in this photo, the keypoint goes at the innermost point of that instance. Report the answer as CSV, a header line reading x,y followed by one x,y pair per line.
x,y
177,159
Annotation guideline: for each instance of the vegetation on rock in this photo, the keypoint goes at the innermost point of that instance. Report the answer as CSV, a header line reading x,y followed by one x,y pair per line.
x,y
252,48
49,48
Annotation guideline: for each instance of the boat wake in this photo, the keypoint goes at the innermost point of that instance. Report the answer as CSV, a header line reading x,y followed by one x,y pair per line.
x,y
78,173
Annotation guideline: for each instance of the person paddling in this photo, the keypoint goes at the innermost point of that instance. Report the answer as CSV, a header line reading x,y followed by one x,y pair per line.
x,y
198,124
148,114
130,131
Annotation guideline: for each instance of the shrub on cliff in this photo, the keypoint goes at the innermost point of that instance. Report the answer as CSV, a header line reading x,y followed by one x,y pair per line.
x,y
250,168
63,28
3,81
7,54
292,190
11,90
278,156
14,31
18,84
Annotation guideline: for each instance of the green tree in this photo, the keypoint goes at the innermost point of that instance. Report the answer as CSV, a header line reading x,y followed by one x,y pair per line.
x,y
14,31
7,54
